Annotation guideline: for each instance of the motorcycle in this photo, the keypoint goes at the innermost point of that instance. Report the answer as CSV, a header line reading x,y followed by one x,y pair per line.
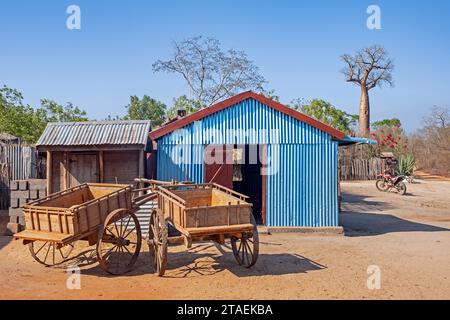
x,y
386,182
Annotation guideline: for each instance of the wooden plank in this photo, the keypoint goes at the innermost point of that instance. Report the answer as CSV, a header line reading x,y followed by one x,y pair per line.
x,y
141,164
42,236
101,166
220,229
49,172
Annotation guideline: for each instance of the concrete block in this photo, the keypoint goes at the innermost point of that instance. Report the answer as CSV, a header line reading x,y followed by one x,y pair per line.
x,y
13,228
37,184
34,194
15,203
22,221
14,185
13,219
42,193
23,185
23,201
20,194
15,212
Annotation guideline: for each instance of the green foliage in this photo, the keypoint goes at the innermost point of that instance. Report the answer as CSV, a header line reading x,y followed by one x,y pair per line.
x,y
146,109
326,113
405,165
54,112
183,102
270,94
27,123
394,122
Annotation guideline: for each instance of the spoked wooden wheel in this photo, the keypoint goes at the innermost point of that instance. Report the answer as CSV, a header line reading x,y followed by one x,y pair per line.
x,y
157,241
50,253
246,248
119,242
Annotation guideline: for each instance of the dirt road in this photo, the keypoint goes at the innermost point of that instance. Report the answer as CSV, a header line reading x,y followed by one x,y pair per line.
x,y
408,238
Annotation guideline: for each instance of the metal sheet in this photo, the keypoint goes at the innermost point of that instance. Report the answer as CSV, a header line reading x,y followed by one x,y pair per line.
x,y
303,189
95,133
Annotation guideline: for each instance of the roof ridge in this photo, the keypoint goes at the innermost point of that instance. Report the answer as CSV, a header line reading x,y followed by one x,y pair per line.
x,y
162,131
93,122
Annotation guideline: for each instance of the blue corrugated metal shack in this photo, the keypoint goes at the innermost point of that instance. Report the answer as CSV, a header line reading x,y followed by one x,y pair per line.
x,y
299,156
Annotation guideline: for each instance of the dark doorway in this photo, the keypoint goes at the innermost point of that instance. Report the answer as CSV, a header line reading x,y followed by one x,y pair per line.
x,y
247,178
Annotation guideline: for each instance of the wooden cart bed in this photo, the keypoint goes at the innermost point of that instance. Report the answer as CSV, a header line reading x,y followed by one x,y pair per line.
x,y
73,213
205,208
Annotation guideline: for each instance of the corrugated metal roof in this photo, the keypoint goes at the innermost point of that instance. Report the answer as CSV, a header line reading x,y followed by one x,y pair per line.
x,y
95,133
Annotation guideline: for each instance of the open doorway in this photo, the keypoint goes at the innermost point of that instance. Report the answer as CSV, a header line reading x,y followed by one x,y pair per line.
x,y
247,178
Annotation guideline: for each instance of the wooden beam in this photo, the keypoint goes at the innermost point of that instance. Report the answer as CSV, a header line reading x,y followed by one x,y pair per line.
x,y
64,174
141,164
101,166
92,148
49,173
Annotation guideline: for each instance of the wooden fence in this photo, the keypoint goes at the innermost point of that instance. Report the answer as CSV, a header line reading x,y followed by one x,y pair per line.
x,y
361,169
358,162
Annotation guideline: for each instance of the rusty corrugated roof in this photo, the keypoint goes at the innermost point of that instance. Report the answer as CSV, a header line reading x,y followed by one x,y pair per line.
x,y
133,132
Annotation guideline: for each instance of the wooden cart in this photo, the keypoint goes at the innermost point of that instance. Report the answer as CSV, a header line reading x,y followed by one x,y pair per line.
x,y
102,214
202,212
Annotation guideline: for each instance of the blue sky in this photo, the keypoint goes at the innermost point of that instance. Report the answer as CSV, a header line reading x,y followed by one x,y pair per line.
x,y
296,45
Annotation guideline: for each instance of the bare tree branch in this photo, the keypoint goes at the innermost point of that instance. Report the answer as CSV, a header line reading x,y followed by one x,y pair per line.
x,y
211,73
369,67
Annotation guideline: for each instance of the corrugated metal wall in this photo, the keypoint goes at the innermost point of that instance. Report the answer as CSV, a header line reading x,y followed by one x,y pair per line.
x,y
303,189
17,162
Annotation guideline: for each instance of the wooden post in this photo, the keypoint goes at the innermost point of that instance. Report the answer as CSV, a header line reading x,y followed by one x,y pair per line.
x,y
64,172
49,173
101,166
141,164
141,169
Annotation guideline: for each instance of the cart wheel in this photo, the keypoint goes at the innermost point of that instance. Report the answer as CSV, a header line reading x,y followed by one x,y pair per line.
x,y
246,248
50,253
157,241
119,242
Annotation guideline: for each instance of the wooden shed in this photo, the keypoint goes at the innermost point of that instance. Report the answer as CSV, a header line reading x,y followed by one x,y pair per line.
x,y
97,151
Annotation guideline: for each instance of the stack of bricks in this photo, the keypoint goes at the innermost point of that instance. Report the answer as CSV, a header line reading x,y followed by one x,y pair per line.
x,y
23,192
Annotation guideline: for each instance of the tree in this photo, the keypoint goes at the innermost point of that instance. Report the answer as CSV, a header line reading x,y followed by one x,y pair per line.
x,y
390,139
28,123
326,113
368,68
439,117
271,94
146,109
394,122
431,143
50,111
183,103
15,117
211,73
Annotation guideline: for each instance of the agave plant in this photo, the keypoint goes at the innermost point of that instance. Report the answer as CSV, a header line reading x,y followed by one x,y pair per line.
x,y
405,165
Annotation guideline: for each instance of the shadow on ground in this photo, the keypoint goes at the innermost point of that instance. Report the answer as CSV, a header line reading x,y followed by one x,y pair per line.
x,y
357,224
4,219
358,218
202,260
4,241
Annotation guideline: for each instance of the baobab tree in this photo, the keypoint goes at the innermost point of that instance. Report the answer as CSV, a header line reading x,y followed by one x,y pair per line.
x,y
369,68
